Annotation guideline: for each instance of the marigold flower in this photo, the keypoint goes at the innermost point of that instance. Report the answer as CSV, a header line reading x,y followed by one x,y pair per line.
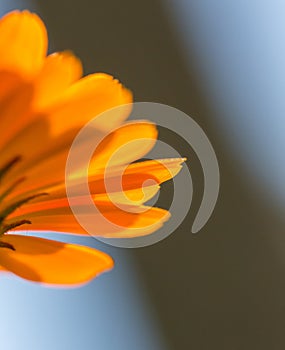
x,y
44,102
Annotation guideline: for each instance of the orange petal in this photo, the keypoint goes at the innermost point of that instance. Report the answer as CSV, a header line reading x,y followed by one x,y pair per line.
x,y
140,182
14,111
23,43
40,155
60,70
83,101
141,225
160,170
46,261
106,219
128,143
136,196
133,176
88,98
9,83
124,145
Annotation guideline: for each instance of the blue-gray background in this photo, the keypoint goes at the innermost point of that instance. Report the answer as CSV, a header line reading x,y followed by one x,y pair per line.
x,y
223,63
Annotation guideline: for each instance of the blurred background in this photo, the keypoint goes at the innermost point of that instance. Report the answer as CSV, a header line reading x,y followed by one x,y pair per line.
x,y
222,62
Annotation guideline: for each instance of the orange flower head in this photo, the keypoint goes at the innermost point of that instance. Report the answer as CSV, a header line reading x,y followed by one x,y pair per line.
x,y
44,103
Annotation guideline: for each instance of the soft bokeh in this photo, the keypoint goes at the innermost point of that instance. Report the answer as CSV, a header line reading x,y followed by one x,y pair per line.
x,y
239,49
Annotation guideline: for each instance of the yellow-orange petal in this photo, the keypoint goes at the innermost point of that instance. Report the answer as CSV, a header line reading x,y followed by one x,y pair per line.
x,y
140,182
136,196
121,224
9,84
126,144
14,112
160,170
23,43
134,176
81,102
40,154
104,219
88,98
142,225
60,70
41,260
